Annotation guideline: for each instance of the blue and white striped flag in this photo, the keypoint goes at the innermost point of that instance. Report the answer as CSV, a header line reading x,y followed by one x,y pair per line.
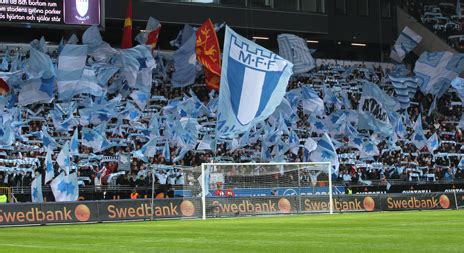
x,y
325,152
36,189
311,102
49,170
433,143
436,70
406,42
65,188
405,89
295,50
71,64
253,84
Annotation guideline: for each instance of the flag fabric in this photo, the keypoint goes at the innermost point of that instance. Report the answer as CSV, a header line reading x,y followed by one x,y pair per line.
x,y
433,143
400,130
39,65
37,90
138,63
295,50
406,42
127,30
325,152
64,158
253,84
166,152
4,88
71,65
209,54
49,170
47,141
185,62
7,136
140,98
367,121
372,91
309,146
151,33
88,84
311,102
436,70
458,85
65,187
74,144
36,189
418,138
94,140
147,150
404,88
368,150
5,65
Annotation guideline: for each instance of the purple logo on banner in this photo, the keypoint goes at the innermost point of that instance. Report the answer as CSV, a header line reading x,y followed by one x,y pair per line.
x,y
82,12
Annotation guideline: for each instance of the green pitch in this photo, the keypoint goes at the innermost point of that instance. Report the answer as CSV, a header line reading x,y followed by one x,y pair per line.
x,y
427,231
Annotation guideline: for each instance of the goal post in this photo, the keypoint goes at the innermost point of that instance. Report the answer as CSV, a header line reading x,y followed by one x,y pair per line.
x,y
248,189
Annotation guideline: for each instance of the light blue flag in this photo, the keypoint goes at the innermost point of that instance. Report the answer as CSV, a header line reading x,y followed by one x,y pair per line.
x,y
367,121
47,141
185,63
166,151
404,87
74,144
94,140
147,150
311,102
295,50
37,91
458,85
65,187
309,146
400,130
49,170
131,113
356,142
140,98
104,72
138,65
325,152
7,136
64,158
436,70
433,143
253,84
368,150
418,137
372,91
5,65
71,64
39,65
36,189
406,42
183,151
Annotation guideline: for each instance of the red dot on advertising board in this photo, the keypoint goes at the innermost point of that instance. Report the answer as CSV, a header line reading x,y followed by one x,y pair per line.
x,y
444,202
82,213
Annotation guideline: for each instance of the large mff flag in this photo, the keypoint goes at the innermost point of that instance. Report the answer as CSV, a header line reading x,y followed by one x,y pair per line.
x,y
253,84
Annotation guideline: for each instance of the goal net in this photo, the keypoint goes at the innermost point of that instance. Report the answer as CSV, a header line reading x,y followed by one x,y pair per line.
x,y
244,189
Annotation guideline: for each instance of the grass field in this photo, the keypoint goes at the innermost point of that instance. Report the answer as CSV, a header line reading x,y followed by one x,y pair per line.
x,y
426,231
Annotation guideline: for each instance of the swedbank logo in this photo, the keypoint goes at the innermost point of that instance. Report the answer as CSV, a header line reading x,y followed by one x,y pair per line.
x,y
284,205
444,202
187,208
82,213
355,204
369,204
419,203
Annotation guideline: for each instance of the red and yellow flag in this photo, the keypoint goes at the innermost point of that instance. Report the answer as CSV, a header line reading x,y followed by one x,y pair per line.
x,y
4,88
209,54
127,31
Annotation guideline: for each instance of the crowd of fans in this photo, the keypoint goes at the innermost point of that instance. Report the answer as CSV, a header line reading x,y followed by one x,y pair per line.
x,y
440,17
397,161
